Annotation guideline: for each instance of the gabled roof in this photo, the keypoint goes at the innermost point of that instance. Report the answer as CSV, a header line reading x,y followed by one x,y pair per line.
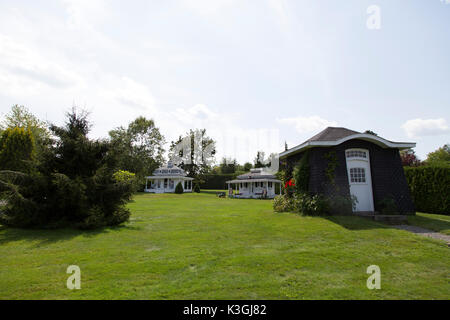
x,y
333,136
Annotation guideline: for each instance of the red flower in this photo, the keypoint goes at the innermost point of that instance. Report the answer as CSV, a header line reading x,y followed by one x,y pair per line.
x,y
289,183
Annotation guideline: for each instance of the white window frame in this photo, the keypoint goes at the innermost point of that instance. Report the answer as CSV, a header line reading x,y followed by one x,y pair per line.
x,y
366,152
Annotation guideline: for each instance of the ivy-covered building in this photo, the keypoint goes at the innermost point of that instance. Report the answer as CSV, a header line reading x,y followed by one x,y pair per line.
x,y
347,163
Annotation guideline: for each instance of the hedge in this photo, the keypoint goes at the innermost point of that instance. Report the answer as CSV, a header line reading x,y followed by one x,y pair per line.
x,y
217,181
430,188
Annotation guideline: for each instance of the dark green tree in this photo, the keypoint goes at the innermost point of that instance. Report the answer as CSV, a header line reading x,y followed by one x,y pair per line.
x,y
247,166
75,185
228,166
179,188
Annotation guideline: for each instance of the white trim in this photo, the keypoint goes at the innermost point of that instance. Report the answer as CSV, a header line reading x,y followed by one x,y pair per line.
x,y
169,177
253,180
363,136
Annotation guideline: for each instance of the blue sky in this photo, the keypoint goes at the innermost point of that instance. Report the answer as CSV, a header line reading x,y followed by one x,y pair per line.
x,y
253,73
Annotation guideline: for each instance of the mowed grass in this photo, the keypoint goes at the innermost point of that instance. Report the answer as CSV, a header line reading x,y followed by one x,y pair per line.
x,y
198,246
436,222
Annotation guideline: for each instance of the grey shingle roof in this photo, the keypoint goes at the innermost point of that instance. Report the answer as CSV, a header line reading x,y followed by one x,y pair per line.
x,y
332,134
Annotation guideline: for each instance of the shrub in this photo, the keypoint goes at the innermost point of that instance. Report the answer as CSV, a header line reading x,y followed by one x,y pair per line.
x,y
387,206
341,205
179,188
311,205
196,188
306,204
283,203
430,188
289,188
301,174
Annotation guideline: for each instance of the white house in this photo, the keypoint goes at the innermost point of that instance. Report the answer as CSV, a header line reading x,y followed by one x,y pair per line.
x,y
255,184
166,178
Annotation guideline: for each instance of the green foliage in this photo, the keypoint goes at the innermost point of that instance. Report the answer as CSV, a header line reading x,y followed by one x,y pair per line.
x,y
341,205
16,149
179,188
216,181
138,148
124,176
332,163
303,203
196,188
247,166
228,166
283,203
440,157
430,188
76,185
387,206
21,117
314,205
301,174
281,175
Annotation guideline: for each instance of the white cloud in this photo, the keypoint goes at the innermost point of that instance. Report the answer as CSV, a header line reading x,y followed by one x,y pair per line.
x,y
308,124
130,93
232,140
24,71
425,127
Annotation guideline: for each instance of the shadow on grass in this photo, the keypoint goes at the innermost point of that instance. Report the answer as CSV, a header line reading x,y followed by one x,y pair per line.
x,y
437,225
44,237
352,222
214,192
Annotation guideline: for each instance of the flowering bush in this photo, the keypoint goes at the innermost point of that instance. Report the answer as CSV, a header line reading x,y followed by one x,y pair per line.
x,y
289,187
311,205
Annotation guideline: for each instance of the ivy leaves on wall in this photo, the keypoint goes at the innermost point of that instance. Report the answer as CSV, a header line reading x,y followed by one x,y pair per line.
x,y
332,163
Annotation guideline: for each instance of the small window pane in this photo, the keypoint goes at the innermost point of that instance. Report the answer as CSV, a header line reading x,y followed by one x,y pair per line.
x,y
357,175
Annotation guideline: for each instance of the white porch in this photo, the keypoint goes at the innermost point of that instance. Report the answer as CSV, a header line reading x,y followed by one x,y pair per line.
x,y
254,188
167,184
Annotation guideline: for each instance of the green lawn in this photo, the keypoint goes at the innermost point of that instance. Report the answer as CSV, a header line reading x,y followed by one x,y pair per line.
x,y
435,222
197,246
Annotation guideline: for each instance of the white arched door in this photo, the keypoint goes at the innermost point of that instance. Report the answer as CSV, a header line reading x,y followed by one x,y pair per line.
x,y
360,178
